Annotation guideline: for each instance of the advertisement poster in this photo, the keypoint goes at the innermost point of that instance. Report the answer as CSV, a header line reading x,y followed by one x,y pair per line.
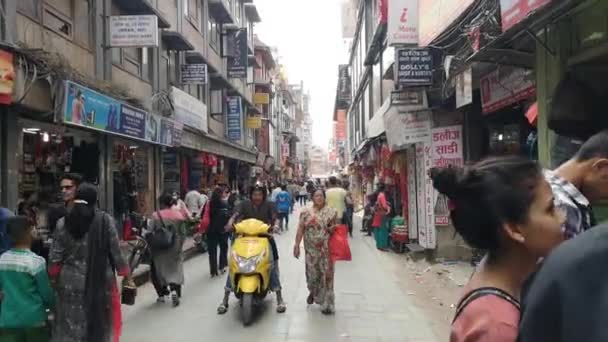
x,y
506,86
237,65
7,77
234,117
447,150
153,128
403,22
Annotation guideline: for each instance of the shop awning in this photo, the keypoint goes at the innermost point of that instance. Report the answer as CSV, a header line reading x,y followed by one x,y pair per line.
x,y
195,57
212,144
176,41
220,10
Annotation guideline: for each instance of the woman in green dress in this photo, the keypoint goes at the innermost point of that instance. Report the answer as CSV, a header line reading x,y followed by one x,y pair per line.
x,y
316,227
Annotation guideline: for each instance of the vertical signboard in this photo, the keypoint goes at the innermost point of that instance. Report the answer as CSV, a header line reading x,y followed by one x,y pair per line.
x,y
464,88
233,118
237,64
429,197
514,11
447,150
402,22
344,86
423,238
412,207
414,67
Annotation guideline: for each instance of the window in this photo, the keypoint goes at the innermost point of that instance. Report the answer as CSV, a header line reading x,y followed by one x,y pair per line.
x,y
136,61
57,22
30,8
237,11
82,23
214,34
192,11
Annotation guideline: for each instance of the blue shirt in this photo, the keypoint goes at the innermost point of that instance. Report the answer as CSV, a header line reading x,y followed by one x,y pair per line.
x,y
283,202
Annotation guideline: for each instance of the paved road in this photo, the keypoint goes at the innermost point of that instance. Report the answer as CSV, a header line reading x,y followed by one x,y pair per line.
x,y
370,306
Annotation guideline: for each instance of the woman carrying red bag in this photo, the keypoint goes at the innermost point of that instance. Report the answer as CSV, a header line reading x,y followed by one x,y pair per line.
x,y
316,226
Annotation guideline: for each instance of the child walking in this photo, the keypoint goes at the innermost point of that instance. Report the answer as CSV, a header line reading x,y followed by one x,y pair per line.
x,y
25,287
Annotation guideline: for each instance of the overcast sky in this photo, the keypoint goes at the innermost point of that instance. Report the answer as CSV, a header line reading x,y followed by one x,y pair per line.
x,y
308,36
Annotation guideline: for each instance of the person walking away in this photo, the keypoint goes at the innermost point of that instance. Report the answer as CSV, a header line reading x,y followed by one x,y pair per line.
x,y
283,204
168,264
293,190
275,192
349,208
84,259
336,197
303,194
216,234
380,223
316,226
25,286
506,207
259,208
368,214
581,182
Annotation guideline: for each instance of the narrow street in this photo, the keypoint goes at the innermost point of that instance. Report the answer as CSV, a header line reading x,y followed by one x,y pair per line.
x,y
371,305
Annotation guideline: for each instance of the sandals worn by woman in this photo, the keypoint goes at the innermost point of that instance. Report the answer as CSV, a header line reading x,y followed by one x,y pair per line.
x,y
222,309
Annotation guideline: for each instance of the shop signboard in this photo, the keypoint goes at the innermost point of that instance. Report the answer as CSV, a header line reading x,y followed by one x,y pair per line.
x,y
414,67
254,122
194,73
344,83
234,117
403,22
88,108
7,77
237,64
261,98
406,128
437,15
447,150
133,30
513,12
340,128
425,194
504,87
170,132
420,194
189,110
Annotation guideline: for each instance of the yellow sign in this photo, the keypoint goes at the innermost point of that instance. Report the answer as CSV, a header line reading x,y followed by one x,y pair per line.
x,y
261,98
254,122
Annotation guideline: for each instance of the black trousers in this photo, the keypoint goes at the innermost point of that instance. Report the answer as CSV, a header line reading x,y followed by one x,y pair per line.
x,y
213,241
160,289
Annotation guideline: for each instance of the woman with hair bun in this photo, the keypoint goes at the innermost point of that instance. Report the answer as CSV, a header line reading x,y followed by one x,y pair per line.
x,y
505,207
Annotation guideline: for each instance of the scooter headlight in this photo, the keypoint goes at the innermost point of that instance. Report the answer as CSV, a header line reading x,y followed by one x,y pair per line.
x,y
248,265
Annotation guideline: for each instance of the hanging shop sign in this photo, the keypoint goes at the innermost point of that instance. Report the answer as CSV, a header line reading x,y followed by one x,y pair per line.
x,y
514,11
403,129
410,97
233,118
437,15
414,67
7,77
133,30
189,110
88,108
464,88
261,98
344,83
194,73
340,127
237,64
253,122
447,150
402,22
506,86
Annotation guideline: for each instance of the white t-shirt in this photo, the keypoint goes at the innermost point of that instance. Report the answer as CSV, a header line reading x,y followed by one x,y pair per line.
x,y
195,201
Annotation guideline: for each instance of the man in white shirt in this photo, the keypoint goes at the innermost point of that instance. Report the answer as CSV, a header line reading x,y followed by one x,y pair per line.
x,y
195,201
275,192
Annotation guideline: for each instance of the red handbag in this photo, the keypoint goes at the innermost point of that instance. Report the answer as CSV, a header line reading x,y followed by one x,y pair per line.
x,y
338,244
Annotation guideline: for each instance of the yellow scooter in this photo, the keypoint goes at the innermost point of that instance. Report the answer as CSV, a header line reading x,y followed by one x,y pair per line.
x,y
250,265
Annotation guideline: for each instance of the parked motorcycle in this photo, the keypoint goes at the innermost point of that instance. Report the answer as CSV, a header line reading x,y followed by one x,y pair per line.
x,y
250,263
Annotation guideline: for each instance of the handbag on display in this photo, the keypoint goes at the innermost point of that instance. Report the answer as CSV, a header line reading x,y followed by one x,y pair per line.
x,y
161,238
128,293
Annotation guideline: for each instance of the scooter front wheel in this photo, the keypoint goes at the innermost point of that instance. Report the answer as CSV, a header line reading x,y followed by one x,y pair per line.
x,y
247,308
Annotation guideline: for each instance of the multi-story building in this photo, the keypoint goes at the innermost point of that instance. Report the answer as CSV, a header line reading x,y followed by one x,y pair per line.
x,y
318,162
263,98
136,111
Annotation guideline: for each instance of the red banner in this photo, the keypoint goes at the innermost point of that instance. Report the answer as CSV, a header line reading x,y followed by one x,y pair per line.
x,y
514,11
340,133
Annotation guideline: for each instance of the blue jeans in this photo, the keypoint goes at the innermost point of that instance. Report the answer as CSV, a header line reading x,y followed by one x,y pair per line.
x,y
275,281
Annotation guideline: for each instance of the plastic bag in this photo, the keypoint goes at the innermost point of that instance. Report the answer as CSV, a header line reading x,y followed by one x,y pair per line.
x,y
338,244
205,219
